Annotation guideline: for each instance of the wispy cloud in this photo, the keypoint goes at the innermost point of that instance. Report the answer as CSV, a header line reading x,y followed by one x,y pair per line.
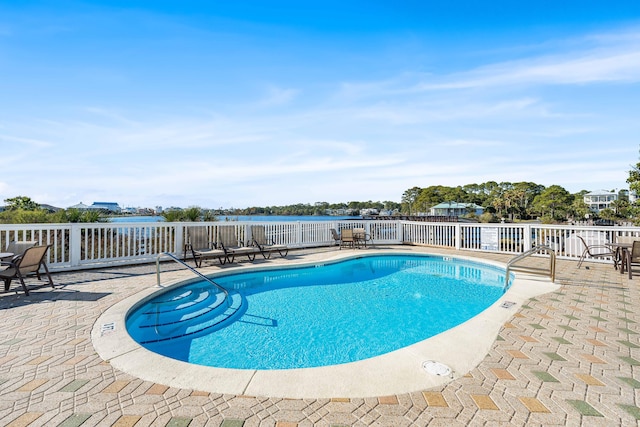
x,y
409,110
37,143
277,96
615,62
593,58
474,143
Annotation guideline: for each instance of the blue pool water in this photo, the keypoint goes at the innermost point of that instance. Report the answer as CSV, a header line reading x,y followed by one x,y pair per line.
x,y
316,316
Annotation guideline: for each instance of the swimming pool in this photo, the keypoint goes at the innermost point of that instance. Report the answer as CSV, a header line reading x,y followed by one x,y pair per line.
x,y
325,314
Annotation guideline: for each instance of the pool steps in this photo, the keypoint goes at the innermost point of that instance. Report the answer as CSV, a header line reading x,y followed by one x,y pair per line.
x,y
177,315
166,306
210,307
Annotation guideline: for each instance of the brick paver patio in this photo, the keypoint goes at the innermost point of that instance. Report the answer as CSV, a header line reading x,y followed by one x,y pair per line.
x,y
571,357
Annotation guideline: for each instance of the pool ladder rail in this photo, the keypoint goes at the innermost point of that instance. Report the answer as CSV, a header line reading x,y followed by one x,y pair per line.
x,y
199,308
533,269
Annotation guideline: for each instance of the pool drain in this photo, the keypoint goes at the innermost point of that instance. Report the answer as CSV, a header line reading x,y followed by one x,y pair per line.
x,y
436,368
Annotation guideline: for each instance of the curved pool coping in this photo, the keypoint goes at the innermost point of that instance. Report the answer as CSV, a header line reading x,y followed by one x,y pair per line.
x,y
461,348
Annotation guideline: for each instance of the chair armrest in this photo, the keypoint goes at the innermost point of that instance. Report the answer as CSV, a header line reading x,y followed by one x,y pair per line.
x,y
601,247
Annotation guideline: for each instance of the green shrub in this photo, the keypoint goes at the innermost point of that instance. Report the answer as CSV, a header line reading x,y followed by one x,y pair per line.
x,y
173,215
488,217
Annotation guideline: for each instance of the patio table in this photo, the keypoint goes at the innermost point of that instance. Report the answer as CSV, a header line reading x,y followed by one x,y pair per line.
x,y
361,237
622,254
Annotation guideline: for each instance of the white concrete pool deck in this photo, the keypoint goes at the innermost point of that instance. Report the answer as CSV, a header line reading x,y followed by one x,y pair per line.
x,y
461,348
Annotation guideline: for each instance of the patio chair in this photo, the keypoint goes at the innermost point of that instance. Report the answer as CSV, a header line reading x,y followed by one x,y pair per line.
x,y
347,238
21,265
259,239
228,239
18,248
361,236
201,247
597,251
621,246
633,257
337,241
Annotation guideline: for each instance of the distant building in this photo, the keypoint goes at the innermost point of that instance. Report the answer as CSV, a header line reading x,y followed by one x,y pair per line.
x,y
599,200
455,209
80,206
369,211
340,212
106,206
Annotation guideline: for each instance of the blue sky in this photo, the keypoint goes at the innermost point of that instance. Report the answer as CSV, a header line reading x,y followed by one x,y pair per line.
x,y
257,103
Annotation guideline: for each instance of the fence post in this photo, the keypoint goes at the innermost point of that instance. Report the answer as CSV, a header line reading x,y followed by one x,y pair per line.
x,y
179,240
299,233
75,244
458,236
527,237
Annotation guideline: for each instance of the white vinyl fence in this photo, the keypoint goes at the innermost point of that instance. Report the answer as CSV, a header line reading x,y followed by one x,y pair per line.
x,y
78,246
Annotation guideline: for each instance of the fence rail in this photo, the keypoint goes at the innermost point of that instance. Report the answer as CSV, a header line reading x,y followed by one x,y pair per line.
x,y
78,246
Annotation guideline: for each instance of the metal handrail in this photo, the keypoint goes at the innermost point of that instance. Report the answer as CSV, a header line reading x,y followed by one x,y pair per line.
x,y
179,261
533,270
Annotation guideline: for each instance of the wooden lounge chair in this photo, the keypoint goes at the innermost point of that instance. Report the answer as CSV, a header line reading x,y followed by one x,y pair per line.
x,y
266,247
228,240
201,247
21,265
596,251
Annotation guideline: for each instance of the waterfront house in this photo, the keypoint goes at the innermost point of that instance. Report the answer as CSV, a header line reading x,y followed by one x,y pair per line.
x,y
455,209
599,200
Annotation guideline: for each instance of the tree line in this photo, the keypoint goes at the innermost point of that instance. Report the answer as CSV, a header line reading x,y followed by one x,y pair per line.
x,y
515,201
522,201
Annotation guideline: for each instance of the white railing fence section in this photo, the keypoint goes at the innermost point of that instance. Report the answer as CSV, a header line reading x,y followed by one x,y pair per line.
x,y
77,246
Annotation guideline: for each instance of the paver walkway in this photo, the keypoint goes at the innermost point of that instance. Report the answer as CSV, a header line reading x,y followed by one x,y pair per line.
x,y
571,357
